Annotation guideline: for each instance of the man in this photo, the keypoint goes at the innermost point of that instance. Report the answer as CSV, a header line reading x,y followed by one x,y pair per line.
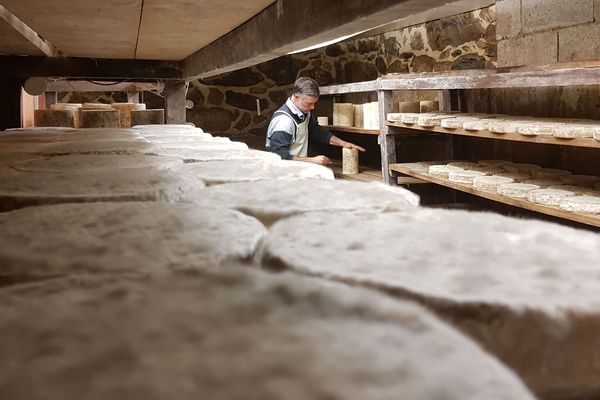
x,y
293,125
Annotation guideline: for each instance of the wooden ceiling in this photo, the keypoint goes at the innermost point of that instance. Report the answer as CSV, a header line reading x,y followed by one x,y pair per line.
x,y
125,29
185,39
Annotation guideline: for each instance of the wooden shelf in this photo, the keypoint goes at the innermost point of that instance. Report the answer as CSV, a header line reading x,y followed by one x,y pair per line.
x,y
370,175
593,220
351,129
552,75
578,142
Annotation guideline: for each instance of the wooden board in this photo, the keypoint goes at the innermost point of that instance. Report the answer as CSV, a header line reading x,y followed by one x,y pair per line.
x,y
578,142
593,220
474,79
350,129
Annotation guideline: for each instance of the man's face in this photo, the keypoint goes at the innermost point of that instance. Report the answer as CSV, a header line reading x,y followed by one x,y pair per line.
x,y
305,103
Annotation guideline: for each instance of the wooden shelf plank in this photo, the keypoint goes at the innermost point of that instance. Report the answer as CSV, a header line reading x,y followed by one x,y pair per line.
x,y
578,142
593,220
552,75
351,129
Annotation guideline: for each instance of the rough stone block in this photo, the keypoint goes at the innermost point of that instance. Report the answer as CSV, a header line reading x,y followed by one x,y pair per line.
x,y
536,49
148,117
579,43
50,118
508,14
541,15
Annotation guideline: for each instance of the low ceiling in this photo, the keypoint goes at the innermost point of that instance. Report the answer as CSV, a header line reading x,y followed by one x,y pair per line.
x,y
125,29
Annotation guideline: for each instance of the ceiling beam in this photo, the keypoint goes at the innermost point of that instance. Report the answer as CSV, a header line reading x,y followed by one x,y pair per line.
x,y
292,25
87,86
447,10
29,34
89,68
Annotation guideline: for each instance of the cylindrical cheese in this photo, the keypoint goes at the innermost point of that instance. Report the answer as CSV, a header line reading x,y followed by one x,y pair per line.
x,y
359,121
409,106
100,119
58,118
343,114
349,161
148,117
323,120
426,106
125,112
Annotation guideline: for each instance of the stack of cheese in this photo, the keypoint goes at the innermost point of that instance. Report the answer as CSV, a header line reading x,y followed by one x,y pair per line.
x,y
562,128
546,186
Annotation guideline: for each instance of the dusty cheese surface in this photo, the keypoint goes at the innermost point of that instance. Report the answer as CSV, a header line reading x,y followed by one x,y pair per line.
x,y
234,333
523,306
141,238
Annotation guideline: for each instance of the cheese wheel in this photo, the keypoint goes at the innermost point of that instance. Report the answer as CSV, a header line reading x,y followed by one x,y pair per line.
x,y
516,190
549,197
572,131
409,118
464,176
442,170
543,183
537,129
456,122
479,125
490,183
581,204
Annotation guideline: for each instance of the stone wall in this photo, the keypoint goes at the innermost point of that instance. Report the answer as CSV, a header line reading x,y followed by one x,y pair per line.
x,y
227,105
538,32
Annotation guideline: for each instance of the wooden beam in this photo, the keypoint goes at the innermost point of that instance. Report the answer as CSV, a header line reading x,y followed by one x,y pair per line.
x,y
26,67
175,92
291,25
29,34
87,86
387,142
444,11
551,75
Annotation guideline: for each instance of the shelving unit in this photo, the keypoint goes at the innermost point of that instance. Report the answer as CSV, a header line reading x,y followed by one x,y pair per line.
x,y
451,84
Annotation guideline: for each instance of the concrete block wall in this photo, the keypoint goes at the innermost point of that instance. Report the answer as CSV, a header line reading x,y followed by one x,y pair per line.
x,y
538,32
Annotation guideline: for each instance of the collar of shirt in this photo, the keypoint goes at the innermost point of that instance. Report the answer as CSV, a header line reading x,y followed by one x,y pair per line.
x,y
294,109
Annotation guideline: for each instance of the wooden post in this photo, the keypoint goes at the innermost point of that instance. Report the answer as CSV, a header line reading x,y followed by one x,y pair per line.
x,y
50,98
133,97
175,92
10,103
387,142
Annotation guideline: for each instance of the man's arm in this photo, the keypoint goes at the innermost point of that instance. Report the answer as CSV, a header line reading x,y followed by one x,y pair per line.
x,y
318,133
336,141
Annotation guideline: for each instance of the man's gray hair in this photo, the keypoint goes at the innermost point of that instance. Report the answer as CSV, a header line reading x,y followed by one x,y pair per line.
x,y
306,86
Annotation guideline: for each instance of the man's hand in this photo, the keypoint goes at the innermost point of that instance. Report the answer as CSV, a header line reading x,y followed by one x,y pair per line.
x,y
336,141
321,160
349,145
